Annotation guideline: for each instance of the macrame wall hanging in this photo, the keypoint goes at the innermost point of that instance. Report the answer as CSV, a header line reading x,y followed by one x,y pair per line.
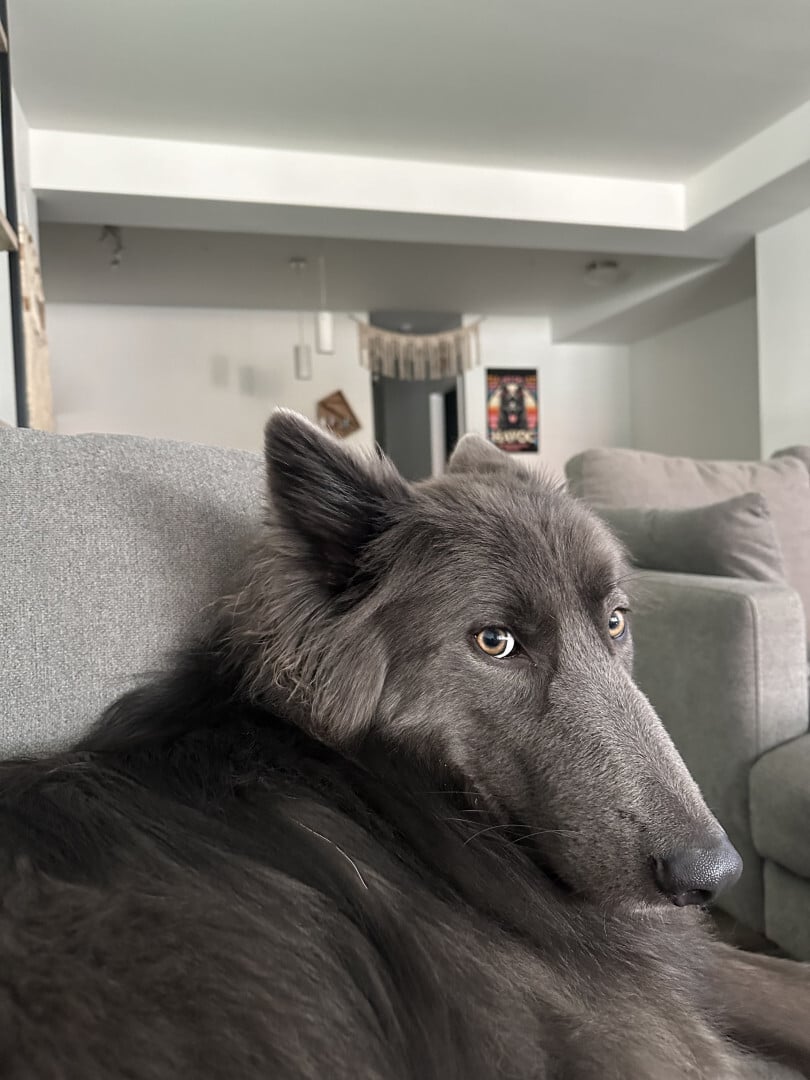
x,y
419,356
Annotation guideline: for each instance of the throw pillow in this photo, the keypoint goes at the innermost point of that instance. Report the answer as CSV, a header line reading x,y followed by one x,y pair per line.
x,y
614,477
733,538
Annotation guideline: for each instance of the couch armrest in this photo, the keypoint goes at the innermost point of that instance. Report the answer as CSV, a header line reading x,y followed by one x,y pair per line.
x,y
724,662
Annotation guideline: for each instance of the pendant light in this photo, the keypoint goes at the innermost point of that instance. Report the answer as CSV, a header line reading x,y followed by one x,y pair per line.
x,y
324,322
302,354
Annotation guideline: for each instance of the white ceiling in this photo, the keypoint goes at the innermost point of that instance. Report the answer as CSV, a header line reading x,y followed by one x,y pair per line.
x,y
637,88
451,155
230,270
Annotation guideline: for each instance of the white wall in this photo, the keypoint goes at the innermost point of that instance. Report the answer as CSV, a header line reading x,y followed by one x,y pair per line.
x,y
783,308
151,371
154,371
694,388
584,389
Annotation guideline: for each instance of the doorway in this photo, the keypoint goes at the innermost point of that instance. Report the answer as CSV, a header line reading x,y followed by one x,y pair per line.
x,y
417,423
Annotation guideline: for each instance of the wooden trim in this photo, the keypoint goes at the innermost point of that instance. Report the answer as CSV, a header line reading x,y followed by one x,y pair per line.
x,y
8,238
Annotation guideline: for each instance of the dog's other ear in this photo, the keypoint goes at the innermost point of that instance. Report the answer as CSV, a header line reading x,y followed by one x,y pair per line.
x,y
332,499
474,454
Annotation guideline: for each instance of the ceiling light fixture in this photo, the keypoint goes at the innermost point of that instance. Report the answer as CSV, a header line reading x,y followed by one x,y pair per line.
x,y
324,322
113,233
302,354
601,272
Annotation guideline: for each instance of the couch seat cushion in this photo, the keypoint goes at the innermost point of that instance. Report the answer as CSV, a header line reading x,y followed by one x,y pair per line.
x,y
780,805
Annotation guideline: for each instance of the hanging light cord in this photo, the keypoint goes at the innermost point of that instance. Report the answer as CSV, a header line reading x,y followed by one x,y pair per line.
x,y
298,267
322,280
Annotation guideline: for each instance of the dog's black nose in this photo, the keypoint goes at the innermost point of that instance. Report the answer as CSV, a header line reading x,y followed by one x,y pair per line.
x,y
698,875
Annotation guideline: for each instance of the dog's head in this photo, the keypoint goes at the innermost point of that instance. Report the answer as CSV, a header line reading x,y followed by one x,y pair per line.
x,y
482,620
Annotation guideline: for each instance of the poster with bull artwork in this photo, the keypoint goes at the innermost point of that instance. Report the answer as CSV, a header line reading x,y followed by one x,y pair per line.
x,y
512,408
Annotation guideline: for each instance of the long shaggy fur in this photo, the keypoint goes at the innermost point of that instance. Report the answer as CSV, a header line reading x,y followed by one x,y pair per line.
x,y
336,841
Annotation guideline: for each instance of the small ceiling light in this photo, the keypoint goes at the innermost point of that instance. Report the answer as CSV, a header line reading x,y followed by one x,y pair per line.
x,y
113,234
602,272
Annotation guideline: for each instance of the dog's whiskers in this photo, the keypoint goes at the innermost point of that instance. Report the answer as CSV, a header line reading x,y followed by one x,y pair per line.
x,y
500,825
338,848
450,791
489,828
544,832
510,825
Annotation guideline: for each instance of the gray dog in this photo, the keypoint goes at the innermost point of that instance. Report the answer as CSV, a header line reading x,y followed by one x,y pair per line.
x,y
398,812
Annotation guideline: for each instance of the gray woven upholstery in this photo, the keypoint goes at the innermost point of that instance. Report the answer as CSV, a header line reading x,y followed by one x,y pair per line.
x,y
788,902
780,806
109,546
732,538
722,661
619,478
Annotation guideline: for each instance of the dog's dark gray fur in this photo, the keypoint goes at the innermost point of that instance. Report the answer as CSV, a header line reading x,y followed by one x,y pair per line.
x,y
338,840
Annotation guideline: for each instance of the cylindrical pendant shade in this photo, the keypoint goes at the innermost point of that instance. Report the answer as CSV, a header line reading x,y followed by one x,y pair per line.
x,y
324,332
438,443
303,362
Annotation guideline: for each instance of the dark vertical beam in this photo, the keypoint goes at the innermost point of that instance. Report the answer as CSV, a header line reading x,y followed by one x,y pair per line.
x,y
10,186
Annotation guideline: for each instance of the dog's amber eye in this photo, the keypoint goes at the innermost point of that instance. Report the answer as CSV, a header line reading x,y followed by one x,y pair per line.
x,y
617,624
495,641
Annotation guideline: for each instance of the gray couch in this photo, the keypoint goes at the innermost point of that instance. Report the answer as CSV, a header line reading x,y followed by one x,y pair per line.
x,y
724,661
109,546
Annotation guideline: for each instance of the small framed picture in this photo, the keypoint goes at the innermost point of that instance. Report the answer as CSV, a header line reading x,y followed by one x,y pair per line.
x,y
513,409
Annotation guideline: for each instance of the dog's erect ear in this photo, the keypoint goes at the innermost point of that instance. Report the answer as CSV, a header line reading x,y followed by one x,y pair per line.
x,y
474,454
334,501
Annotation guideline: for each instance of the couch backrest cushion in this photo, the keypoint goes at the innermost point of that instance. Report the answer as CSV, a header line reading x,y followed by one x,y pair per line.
x,y
109,546
631,478
732,538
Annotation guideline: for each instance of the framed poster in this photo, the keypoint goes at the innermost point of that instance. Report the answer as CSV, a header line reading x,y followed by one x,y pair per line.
x,y
512,409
